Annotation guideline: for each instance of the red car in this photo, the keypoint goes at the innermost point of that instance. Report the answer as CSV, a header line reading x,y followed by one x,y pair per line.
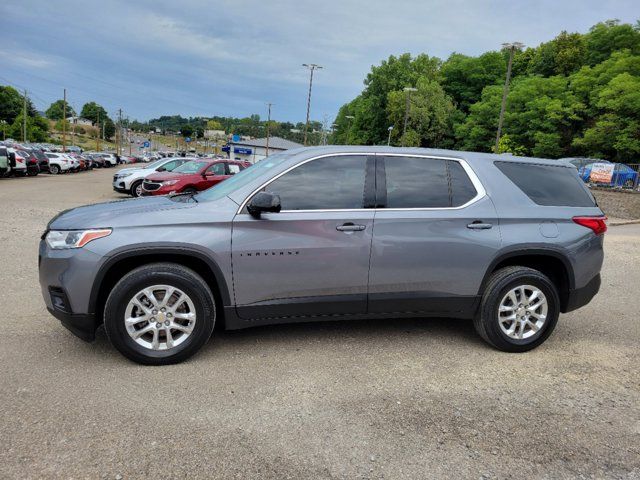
x,y
192,176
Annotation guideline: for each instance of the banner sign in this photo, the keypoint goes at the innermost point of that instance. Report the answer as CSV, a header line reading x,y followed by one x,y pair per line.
x,y
601,172
246,151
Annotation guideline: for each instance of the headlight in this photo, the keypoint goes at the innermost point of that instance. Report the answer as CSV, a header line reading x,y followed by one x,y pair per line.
x,y
170,182
122,175
59,239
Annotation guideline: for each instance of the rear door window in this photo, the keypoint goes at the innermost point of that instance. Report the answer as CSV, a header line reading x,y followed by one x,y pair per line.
x,y
418,182
548,185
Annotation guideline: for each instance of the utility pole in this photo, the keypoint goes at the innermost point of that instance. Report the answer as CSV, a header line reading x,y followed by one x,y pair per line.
x,y
512,48
408,91
98,133
64,120
268,122
24,118
311,67
119,139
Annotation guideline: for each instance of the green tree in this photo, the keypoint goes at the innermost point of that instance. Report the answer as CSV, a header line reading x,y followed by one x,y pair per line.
x,y
507,145
94,112
607,37
186,130
616,131
12,104
429,118
108,127
37,128
464,77
55,110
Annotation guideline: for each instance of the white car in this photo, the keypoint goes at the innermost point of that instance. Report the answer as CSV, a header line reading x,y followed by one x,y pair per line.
x,y
59,163
129,180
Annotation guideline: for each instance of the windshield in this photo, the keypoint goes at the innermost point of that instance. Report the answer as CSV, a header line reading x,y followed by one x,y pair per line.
x,y
190,167
241,179
155,164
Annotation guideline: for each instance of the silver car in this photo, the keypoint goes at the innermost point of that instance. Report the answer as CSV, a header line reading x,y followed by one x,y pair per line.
x,y
331,233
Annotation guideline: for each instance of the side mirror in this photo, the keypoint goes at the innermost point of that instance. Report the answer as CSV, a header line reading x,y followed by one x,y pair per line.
x,y
161,169
264,202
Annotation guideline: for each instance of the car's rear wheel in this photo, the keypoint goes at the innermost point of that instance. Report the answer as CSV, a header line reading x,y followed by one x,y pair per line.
x,y
519,309
136,189
159,314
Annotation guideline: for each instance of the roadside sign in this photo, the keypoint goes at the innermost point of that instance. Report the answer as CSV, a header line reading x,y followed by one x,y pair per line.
x,y
146,144
236,137
601,172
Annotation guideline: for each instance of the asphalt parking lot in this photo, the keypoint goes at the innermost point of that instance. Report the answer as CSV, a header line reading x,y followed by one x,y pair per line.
x,y
371,399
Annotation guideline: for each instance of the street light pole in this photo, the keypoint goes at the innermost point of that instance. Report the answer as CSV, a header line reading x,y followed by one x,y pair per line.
x,y
350,119
408,91
389,138
311,67
512,48
268,122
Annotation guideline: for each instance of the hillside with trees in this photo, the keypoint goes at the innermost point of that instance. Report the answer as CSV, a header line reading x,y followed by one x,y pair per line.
x,y
576,95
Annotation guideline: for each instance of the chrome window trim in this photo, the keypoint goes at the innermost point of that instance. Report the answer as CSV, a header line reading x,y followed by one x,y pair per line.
x,y
480,190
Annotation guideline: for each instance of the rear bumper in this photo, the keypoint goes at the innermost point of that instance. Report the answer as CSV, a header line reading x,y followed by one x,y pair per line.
x,y
81,325
579,297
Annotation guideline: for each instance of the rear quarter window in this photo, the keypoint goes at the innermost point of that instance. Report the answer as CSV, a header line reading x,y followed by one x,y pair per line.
x,y
548,185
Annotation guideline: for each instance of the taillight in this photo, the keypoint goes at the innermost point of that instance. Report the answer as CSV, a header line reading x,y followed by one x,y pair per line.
x,y
597,224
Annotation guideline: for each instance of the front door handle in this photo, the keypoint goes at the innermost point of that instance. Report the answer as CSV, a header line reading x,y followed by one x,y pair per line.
x,y
350,227
479,225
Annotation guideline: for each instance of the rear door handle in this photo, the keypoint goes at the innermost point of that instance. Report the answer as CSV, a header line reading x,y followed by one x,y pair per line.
x,y
350,227
479,225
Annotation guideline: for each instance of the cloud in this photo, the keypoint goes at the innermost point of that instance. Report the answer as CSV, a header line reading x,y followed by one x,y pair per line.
x,y
203,57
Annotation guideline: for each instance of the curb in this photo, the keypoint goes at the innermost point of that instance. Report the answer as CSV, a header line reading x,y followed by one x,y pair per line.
x,y
624,222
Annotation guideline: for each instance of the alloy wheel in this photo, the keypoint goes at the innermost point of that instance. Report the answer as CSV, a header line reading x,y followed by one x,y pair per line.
x,y
160,317
523,312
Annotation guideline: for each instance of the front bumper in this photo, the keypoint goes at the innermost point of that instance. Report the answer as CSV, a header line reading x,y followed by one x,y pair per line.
x,y
66,279
82,325
579,297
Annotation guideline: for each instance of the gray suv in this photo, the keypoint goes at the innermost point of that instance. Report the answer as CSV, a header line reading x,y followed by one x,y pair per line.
x,y
331,233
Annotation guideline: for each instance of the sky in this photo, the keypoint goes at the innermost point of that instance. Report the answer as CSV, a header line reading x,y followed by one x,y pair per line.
x,y
229,58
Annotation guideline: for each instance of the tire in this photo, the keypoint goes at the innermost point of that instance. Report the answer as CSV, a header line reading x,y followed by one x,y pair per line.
x,y
136,189
161,275
32,174
487,322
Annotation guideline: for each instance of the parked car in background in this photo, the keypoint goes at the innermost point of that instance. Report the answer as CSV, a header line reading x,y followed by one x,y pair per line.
x,y
580,162
191,177
30,160
58,163
4,161
17,163
43,161
623,175
129,180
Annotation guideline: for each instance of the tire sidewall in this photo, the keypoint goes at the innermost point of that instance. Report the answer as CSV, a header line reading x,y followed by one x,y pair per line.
x,y
490,311
124,291
136,184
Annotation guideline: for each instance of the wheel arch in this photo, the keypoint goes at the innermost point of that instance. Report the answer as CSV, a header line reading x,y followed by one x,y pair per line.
x,y
122,262
553,263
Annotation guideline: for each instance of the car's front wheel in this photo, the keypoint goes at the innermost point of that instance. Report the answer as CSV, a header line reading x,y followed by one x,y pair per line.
x,y
136,189
159,314
519,309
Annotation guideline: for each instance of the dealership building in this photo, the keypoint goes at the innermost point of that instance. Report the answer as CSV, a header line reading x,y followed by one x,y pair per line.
x,y
256,149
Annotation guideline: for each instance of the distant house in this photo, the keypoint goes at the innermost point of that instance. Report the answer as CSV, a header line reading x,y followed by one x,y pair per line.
x,y
256,149
80,121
